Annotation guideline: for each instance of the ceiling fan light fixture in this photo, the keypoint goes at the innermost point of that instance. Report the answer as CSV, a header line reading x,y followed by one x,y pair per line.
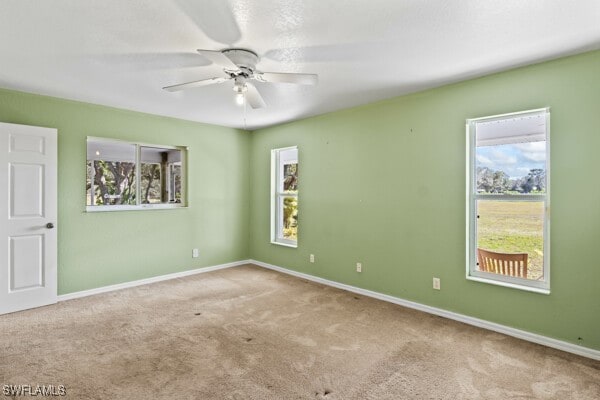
x,y
240,88
239,85
239,98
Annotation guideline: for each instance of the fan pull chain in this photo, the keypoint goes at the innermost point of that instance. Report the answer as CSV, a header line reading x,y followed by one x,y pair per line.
x,y
245,107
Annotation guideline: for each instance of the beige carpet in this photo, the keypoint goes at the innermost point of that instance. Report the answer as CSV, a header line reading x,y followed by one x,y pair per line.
x,y
250,333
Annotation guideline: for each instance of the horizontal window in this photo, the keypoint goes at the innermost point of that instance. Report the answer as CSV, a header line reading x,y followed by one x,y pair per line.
x,y
122,175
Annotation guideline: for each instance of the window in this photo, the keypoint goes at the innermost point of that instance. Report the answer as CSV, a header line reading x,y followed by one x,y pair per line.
x,y
508,200
125,176
284,206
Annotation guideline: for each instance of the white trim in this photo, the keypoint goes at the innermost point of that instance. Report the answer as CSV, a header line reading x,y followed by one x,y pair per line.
x,y
138,176
537,286
285,244
517,333
140,282
131,207
277,196
496,281
510,114
274,162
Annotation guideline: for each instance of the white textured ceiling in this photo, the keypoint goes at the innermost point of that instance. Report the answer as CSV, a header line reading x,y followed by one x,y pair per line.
x,y
122,52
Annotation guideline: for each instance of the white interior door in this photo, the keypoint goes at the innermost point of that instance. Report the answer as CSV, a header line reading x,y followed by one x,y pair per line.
x,y
28,263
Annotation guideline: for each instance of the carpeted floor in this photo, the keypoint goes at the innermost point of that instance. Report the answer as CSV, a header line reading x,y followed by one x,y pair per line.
x,y
251,333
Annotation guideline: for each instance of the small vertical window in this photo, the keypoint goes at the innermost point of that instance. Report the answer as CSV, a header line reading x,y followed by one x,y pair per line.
x,y
174,181
508,202
284,206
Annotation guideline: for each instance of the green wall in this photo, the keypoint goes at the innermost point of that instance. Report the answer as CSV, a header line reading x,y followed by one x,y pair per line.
x,y
99,249
381,184
384,184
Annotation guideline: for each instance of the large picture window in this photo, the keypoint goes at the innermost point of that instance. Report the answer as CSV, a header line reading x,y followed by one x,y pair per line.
x,y
284,206
124,176
508,200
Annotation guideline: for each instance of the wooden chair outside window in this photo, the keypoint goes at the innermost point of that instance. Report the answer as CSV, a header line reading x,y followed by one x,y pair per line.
x,y
502,263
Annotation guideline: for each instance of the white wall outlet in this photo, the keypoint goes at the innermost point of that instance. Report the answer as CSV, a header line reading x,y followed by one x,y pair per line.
x,y
436,283
195,253
312,258
358,267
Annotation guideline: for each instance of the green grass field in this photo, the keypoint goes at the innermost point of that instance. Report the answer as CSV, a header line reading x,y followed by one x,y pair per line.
x,y
513,227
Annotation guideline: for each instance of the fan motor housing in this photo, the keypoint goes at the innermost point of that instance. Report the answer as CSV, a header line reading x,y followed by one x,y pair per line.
x,y
242,58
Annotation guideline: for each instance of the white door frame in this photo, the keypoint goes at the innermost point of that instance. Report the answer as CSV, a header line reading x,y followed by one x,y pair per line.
x,y
28,217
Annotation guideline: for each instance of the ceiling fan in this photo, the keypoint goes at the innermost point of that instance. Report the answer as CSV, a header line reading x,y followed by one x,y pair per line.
x,y
239,65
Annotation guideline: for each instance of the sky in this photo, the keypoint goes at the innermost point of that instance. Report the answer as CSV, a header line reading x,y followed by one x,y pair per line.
x,y
514,159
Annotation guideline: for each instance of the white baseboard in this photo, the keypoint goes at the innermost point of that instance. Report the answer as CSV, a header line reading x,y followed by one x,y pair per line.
x,y
520,334
125,285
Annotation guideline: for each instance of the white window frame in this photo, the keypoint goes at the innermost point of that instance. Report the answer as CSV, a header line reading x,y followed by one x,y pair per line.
x,y
169,177
473,274
277,196
138,188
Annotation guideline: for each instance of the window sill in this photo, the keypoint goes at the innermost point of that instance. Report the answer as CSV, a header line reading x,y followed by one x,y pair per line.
x,y
509,285
145,207
294,246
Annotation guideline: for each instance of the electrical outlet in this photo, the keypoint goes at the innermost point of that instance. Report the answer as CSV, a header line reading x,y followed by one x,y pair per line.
x,y
436,283
312,258
195,253
358,267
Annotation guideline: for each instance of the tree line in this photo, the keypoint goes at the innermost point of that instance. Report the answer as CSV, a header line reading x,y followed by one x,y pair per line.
x,y
492,181
114,182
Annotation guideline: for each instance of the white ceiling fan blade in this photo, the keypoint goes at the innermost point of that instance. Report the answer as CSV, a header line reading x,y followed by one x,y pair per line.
x,y
279,77
253,96
214,18
203,82
151,61
219,59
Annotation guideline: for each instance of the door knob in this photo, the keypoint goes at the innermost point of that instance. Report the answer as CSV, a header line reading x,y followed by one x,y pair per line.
x,y
49,225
